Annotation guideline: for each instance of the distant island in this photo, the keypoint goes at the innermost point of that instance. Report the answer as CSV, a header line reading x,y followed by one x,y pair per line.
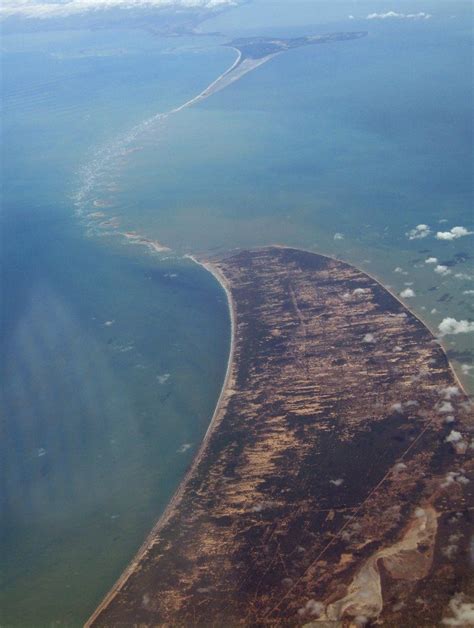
x,y
259,47
334,482
255,51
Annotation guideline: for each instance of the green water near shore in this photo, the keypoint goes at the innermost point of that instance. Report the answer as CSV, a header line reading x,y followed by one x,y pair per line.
x,y
113,357
318,142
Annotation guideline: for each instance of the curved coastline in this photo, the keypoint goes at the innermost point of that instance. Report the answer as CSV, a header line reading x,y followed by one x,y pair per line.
x,y
390,291
219,412
215,420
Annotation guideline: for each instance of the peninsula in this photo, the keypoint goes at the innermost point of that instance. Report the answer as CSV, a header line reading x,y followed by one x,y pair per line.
x,y
334,484
260,47
255,51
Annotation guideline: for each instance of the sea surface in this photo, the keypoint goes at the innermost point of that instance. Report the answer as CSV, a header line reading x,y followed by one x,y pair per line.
x,y
114,355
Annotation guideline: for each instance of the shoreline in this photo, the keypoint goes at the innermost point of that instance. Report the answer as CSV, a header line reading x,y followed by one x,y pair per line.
x,y
130,578
220,408
204,94
394,295
219,411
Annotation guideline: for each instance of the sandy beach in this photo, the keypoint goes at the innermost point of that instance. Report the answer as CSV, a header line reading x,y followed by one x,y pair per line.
x,y
327,372
225,394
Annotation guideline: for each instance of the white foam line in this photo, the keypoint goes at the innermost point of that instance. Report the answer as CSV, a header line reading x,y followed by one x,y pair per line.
x,y
104,157
206,91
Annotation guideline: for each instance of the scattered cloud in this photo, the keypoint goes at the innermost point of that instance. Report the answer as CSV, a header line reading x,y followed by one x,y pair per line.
x,y
408,293
468,292
400,466
419,232
337,482
431,260
450,325
442,270
401,16
445,406
339,236
466,368
453,234
449,391
184,448
312,608
41,9
453,437
368,338
453,476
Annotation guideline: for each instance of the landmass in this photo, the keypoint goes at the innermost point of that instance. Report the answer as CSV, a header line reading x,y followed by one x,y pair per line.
x,y
259,47
334,484
255,51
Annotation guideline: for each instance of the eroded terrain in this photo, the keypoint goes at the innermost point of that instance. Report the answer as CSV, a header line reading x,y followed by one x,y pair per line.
x,y
335,484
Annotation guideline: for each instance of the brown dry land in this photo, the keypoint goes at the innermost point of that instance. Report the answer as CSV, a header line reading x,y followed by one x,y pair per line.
x,y
334,483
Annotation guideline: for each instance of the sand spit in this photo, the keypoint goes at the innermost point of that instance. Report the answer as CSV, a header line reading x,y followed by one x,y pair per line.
x,y
233,74
153,245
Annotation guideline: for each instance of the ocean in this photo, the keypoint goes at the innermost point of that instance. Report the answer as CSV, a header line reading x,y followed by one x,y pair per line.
x,y
114,355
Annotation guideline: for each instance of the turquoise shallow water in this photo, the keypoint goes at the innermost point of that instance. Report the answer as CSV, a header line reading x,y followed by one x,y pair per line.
x,y
114,357
366,138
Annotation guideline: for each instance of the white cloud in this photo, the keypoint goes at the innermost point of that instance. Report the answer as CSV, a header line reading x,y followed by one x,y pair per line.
x,y
445,406
449,391
408,293
419,232
34,9
311,608
453,437
442,270
450,325
468,292
431,260
339,236
368,338
400,466
405,16
453,234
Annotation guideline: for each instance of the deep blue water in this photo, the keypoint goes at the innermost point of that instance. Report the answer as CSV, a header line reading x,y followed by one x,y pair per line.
x,y
112,357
